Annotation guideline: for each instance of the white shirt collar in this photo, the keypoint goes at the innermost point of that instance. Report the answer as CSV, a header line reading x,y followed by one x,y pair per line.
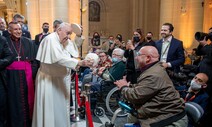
x,y
167,40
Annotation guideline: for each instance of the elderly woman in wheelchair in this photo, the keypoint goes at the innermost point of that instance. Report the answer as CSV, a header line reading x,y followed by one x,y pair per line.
x,y
102,80
111,74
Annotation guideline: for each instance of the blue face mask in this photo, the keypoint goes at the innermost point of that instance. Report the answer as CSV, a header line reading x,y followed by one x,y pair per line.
x,y
115,60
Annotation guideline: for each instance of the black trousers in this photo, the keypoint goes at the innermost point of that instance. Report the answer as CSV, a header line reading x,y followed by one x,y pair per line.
x,y
3,105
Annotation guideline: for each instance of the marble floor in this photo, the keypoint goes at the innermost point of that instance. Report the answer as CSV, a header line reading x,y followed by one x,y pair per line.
x,y
100,121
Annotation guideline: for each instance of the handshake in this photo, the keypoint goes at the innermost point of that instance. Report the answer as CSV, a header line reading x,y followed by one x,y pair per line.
x,y
91,60
86,63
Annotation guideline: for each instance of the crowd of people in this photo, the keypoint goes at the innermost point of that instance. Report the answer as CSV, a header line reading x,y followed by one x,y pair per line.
x,y
35,75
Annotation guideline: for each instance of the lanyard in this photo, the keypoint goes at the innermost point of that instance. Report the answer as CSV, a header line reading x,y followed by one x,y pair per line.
x,y
187,98
165,49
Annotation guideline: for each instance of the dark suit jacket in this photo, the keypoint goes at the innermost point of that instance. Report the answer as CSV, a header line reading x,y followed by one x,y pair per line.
x,y
38,39
175,53
24,34
6,58
152,43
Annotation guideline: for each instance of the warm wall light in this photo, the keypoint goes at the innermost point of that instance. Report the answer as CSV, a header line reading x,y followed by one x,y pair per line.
x,y
84,8
183,10
183,7
210,4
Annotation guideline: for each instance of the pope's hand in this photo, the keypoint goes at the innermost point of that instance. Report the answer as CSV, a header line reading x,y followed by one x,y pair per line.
x,y
86,63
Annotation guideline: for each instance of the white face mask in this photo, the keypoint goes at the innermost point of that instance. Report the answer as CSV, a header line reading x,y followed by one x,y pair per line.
x,y
195,86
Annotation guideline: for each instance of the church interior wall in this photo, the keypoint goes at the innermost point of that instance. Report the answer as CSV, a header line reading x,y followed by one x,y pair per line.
x,y
118,16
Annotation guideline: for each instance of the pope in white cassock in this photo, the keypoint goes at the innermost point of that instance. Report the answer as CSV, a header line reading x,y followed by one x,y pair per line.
x,y
52,94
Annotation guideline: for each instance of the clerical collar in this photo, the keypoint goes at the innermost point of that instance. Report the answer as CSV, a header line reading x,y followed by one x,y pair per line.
x,y
14,38
168,39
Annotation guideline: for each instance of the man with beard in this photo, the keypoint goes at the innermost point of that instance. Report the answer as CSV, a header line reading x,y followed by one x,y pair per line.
x,y
6,58
20,77
52,94
153,97
41,36
170,49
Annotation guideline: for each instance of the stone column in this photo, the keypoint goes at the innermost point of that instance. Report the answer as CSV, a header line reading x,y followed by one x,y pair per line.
x,y
190,23
60,9
85,24
166,12
136,13
207,15
33,17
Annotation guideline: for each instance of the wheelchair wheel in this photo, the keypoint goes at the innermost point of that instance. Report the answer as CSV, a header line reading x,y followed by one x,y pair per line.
x,y
99,111
112,100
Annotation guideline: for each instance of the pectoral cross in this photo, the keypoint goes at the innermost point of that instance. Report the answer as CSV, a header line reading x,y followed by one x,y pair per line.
x,y
18,57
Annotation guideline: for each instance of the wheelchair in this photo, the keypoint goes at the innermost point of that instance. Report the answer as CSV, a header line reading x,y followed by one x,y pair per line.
x,y
106,96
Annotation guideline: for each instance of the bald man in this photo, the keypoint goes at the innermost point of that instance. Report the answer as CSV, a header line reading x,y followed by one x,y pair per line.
x,y
196,91
197,94
154,97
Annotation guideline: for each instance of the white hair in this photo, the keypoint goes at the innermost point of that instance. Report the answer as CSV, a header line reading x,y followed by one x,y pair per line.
x,y
120,51
64,24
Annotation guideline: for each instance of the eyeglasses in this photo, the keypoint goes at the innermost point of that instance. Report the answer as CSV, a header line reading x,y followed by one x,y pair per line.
x,y
139,54
116,55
